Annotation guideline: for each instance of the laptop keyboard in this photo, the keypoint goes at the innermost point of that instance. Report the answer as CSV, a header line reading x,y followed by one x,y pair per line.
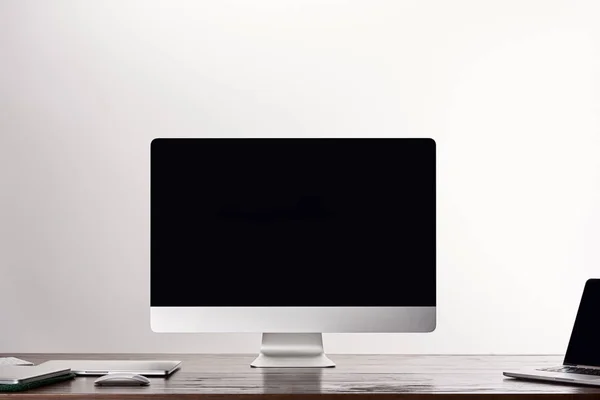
x,y
573,370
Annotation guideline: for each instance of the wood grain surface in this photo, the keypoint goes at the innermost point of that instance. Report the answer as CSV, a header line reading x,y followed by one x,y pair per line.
x,y
209,376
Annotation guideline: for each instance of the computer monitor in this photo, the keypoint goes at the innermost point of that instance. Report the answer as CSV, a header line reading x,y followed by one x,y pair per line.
x,y
292,238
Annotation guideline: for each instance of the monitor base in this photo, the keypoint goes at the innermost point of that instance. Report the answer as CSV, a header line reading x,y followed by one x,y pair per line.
x,y
292,350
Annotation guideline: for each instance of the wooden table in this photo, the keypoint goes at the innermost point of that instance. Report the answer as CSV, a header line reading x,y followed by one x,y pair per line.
x,y
359,377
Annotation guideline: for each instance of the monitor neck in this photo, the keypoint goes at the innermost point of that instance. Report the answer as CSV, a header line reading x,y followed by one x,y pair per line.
x,y
295,350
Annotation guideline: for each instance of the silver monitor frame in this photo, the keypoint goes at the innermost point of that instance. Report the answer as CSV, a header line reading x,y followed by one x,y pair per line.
x,y
292,335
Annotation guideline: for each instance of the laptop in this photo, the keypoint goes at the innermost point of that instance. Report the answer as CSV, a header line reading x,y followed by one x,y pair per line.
x,y
582,360
102,367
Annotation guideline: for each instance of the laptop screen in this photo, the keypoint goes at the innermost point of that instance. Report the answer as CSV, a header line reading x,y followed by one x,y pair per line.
x,y
584,346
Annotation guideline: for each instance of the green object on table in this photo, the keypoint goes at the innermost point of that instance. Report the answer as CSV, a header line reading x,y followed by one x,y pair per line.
x,y
19,387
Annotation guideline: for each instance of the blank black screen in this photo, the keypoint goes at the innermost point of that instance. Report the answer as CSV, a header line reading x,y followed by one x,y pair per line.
x,y
584,346
293,222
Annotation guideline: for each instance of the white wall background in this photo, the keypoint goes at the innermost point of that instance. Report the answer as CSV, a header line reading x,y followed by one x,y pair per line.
x,y
510,90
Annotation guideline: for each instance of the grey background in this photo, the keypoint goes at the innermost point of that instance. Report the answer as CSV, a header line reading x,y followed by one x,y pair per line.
x,y
509,89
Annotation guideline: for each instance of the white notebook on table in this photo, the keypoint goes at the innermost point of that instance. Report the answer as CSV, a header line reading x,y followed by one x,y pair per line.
x,y
19,374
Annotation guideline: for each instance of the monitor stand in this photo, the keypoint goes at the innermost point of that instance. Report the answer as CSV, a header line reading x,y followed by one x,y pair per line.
x,y
292,350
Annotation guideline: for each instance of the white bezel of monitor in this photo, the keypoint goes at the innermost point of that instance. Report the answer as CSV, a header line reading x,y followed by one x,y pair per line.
x,y
293,319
